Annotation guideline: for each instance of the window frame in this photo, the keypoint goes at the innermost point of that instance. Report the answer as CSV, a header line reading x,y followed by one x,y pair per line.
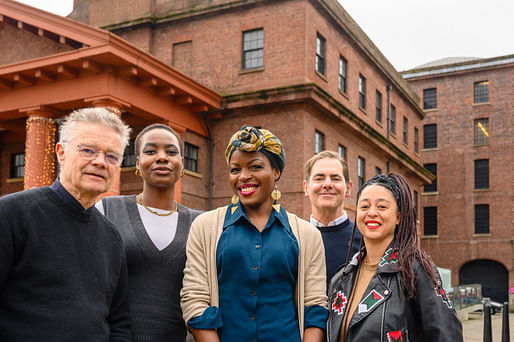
x,y
482,174
320,63
482,219
378,106
342,148
319,142
432,224
343,74
431,102
478,91
432,143
129,155
362,91
244,51
392,120
432,187
191,162
482,138
17,165
416,140
361,172
405,137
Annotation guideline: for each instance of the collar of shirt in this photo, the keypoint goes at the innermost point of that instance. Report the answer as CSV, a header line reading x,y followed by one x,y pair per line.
x,y
337,221
65,195
233,216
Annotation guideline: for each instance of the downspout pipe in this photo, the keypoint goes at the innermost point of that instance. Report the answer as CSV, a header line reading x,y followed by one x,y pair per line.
x,y
211,157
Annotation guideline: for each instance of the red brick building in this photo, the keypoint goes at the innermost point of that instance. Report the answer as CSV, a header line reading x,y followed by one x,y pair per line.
x,y
302,68
468,140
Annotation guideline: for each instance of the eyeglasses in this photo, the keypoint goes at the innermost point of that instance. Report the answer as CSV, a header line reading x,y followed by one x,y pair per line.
x,y
90,152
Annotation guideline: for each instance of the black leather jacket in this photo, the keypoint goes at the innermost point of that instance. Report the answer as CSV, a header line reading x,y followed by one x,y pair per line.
x,y
385,314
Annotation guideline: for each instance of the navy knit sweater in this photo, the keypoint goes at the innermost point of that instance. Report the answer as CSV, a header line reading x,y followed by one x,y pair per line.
x,y
63,274
336,240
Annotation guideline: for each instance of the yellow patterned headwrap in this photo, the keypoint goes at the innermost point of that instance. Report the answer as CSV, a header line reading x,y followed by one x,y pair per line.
x,y
251,139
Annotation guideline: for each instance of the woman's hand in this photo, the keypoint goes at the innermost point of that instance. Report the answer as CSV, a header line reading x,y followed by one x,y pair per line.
x,y
313,334
206,335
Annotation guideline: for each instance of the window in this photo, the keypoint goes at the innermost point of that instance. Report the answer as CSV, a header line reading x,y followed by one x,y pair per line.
x,y
482,219
481,128
405,127
430,220
362,92
393,119
429,98
343,64
320,54
342,151
378,171
416,140
190,157
430,136
319,142
432,187
361,165
17,165
379,107
253,49
481,92
129,156
482,174
416,203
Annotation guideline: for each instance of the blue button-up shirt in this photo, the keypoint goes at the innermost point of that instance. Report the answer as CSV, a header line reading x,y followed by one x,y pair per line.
x,y
257,274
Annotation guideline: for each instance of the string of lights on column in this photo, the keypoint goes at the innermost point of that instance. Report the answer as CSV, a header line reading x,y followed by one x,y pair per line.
x,y
44,172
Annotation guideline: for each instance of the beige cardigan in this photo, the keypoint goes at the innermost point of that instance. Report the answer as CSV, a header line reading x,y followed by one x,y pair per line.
x,y
200,288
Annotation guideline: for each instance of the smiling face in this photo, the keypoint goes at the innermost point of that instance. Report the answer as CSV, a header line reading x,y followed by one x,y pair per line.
x,y
86,179
159,159
327,188
377,214
252,178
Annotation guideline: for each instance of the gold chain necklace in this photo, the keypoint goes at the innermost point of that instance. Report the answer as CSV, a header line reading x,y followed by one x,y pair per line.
x,y
140,201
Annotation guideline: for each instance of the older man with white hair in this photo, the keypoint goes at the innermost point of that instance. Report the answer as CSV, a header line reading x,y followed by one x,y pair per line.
x,y
63,274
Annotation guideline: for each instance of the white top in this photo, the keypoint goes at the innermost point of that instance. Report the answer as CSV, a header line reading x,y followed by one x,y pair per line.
x,y
160,229
337,221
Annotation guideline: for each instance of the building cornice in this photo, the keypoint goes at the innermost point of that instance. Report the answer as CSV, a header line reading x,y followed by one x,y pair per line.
x,y
458,68
311,92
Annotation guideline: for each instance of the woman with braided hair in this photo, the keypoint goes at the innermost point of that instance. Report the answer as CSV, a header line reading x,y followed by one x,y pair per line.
x,y
254,272
390,290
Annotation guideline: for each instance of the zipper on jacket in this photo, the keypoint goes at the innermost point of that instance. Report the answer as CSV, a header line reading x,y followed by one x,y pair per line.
x,y
383,313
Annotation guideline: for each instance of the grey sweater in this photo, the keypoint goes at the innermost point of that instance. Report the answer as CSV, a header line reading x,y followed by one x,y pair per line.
x,y
155,277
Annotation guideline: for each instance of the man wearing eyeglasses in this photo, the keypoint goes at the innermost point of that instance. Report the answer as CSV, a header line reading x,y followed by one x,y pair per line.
x,y
63,274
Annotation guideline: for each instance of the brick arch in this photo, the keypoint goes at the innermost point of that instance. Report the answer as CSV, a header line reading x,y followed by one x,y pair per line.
x,y
492,274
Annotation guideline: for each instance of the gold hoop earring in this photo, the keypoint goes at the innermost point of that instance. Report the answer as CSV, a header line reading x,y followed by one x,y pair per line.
x,y
276,194
137,173
183,173
234,200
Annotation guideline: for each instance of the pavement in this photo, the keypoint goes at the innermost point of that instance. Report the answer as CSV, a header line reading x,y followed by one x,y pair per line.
x,y
473,328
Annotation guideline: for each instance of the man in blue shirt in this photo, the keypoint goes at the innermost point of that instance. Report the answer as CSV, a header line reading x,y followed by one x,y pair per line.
x,y
327,184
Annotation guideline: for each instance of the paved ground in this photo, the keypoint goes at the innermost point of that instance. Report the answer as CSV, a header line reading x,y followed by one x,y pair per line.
x,y
474,328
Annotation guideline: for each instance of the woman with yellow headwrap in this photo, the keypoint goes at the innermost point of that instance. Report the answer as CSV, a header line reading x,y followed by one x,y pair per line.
x,y
254,272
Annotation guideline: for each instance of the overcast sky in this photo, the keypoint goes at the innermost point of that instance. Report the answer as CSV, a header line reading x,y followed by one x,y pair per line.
x,y
413,32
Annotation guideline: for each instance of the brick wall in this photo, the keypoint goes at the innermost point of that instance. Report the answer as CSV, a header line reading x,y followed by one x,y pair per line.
x,y
455,155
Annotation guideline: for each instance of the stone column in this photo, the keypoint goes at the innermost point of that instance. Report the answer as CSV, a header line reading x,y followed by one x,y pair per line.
x,y
40,158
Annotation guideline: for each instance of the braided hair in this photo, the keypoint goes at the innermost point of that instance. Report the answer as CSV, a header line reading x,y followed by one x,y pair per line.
x,y
405,238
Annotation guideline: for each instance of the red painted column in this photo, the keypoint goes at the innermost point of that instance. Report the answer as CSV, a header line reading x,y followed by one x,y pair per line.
x,y
40,159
